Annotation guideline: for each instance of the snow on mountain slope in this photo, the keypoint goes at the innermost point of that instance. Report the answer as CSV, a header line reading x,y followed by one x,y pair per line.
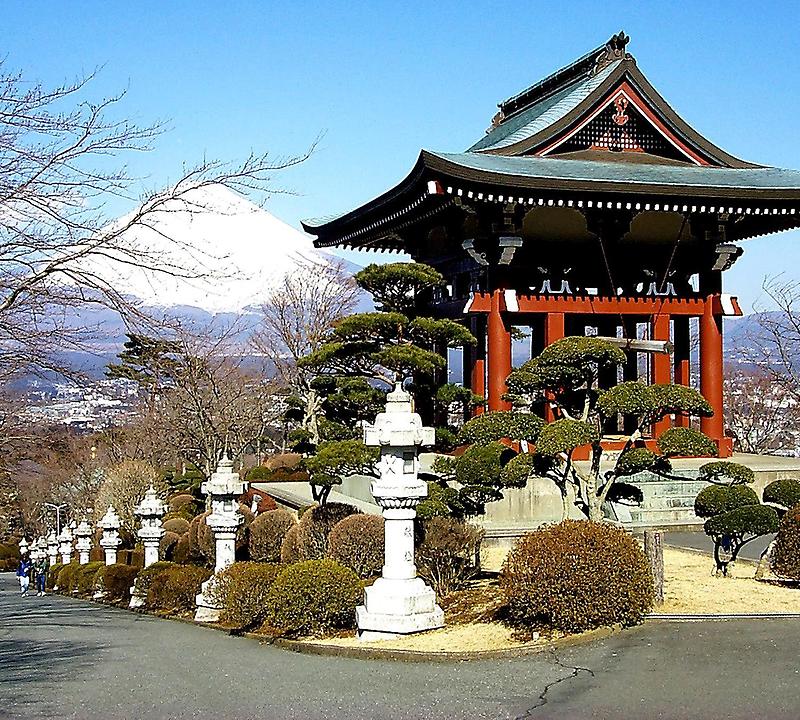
x,y
243,249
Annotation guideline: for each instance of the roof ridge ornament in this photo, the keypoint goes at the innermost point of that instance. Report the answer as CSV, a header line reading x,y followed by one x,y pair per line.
x,y
613,51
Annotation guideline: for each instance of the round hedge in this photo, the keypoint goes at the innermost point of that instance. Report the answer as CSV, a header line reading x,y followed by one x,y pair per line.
x,y
446,553
242,591
52,575
315,526
87,576
117,580
313,596
753,520
182,550
357,542
68,577
167,545
686,442
785,492
575,576
177,525
719,499
175,588
267,532
290,547
786,553
146,575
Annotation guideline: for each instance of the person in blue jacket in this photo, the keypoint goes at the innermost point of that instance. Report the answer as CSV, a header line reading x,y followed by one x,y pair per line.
x,y
24,574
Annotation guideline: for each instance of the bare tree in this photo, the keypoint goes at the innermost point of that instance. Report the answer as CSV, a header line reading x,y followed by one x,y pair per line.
x,y
123,486
762,417
61,171
297,318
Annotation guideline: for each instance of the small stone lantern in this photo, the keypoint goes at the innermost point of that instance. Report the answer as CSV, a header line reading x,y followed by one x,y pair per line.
x,y
399,602
65,545
223,489
150,511
84,542
39,548
52,548
23,547
110,542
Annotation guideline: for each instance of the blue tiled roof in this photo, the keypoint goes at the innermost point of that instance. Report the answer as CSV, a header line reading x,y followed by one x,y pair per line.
x,y
753,178
544,113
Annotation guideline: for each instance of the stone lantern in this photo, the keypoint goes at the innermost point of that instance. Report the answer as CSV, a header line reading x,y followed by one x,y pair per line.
x,y
65,545
150,511
110,524
23,547
398,602
223,489
84,542
41,548
52,548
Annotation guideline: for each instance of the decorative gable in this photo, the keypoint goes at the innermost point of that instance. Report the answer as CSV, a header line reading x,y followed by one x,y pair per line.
x,y
623,122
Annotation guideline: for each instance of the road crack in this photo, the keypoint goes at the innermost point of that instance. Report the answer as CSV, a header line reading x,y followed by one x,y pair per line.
x,y
542,701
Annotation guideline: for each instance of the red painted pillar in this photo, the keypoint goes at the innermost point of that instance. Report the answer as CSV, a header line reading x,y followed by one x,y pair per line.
x,y
711,369
681,364
498,350
553,330
661,365
474,367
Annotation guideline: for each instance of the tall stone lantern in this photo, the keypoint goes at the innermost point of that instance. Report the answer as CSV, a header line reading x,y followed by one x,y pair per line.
x,y
40,548
223,489
399,602
52,548
110,542
23,547
84,543
65,545
150,511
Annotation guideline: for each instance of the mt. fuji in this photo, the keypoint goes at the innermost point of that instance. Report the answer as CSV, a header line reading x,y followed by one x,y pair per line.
x,y
243,251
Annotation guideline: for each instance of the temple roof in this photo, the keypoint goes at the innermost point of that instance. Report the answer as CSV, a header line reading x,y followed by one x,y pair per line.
x,y
594,130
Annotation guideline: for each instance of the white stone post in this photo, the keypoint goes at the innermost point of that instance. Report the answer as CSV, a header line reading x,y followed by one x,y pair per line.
x,y
41,548
84,542
52,548
150,511
23,547
399,602
110,542
65,545
223,489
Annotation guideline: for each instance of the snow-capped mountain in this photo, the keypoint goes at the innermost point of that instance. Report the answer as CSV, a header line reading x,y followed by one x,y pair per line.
x,y
239,250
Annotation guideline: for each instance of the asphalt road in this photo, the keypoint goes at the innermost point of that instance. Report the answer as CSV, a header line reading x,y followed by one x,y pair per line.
x,y
64,658
698,540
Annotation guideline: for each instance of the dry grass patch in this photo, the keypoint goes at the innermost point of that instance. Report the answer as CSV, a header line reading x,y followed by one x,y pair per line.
x,y
689,588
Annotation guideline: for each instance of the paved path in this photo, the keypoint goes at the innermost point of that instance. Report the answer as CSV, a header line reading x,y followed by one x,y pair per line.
x,y
64,658
698,540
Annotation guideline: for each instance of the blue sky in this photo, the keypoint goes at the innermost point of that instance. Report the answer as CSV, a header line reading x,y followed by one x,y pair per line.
x,y
381,80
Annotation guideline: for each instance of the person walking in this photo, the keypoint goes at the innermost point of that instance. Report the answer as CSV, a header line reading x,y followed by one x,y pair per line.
x,y
24,574
40,567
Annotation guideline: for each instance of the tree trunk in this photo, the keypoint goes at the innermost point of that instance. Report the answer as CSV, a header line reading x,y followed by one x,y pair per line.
x,y
654,549
765,562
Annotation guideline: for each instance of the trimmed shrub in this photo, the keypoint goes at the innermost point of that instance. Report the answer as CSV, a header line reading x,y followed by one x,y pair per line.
x,y
718,499
242,591
315,526
146,575
686,442
87,576
166,547
259,473
785,493
313,596
786,553
184,505
725,472
447,553
267,532
96,554
290,547
575,576
174,588
182,550
68,577
52,575
117,580
177,525
755,520
357,542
